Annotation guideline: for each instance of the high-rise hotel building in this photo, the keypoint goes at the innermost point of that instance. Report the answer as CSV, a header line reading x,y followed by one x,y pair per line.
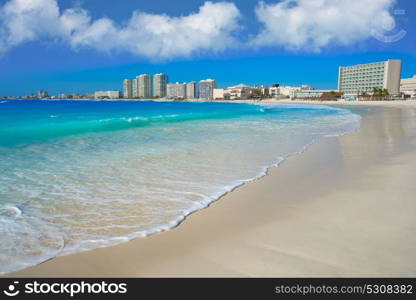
x,y
191,90
128,88
176,90
134,88
144,85
363,78
159,85
408,85
206,89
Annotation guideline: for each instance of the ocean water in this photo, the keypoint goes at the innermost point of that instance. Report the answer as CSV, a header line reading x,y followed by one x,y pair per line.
x,y
78,175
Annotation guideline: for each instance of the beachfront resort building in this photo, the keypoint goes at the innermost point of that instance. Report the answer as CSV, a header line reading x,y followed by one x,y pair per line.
x,y
220,94
290,91
191,90
144,85
176,90
107,95
274,91
147,86
312,94
159,85
134,88
42,94
128,88
363,78
408,86
181,90
240,91
206,89
263,90
277,91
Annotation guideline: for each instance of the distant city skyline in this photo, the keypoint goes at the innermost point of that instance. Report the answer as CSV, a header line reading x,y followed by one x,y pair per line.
x,y
251,45
378,80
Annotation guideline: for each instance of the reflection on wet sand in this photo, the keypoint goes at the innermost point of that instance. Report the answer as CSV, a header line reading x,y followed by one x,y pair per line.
x,y
386,131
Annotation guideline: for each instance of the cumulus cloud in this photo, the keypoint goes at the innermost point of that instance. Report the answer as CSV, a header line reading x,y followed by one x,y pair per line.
x,y
212,28
26,20
314,24
300,25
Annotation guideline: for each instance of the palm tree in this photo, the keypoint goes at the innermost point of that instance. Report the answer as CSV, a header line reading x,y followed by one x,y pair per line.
x,y
376,91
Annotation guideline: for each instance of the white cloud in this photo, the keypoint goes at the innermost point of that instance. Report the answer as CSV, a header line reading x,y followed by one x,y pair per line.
x,y
309,25
212,28
314,24
26,20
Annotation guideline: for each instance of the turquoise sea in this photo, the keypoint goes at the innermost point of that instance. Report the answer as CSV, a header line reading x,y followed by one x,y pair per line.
x,y
78,175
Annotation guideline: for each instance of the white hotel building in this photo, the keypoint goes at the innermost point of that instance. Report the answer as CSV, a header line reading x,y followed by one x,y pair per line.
x,y
408,86
144,86
160,82
354,80
107,95
128,88
176,90
191,90
206,89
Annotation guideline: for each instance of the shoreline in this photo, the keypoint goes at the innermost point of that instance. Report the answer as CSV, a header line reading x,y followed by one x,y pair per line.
x,y
383,103
104,261
395,103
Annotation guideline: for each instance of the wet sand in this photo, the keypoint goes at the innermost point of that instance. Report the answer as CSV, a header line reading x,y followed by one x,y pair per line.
x,y
345,207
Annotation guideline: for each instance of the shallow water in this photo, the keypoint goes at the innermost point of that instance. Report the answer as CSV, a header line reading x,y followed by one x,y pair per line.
x,y
77,175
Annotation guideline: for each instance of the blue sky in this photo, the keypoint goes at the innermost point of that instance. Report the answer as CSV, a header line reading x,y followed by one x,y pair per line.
x,y
82,46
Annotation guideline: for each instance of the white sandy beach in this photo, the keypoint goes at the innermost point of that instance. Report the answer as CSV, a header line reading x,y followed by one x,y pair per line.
x,y
394,103
345,207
